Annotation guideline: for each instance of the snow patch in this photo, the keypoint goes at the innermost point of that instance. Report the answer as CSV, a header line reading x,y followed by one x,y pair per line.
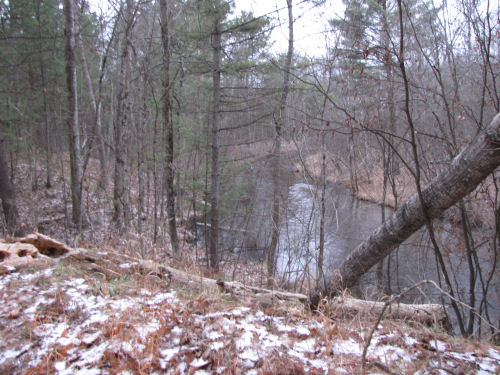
x,y
217,345
169,353
124,327
10,353
306,346
249,355
495,354
438,345
347,347
304,331
198,363
90,338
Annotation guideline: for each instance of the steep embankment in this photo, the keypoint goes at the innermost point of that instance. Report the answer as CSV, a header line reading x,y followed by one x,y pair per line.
x,y
71,314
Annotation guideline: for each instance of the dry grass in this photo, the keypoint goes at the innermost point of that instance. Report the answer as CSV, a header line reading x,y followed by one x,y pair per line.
x,y
129,345
123,282
369,177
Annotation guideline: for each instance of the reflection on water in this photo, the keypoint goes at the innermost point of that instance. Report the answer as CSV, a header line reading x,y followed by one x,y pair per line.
x,y
348,222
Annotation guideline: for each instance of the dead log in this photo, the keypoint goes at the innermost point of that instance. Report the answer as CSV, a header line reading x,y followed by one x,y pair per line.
x,y
32,250
165,272
239,288
428,314
463,175
37,248
16,255
233,287
45,244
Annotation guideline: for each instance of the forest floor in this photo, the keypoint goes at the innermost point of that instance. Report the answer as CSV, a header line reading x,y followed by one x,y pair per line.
x,y
65,316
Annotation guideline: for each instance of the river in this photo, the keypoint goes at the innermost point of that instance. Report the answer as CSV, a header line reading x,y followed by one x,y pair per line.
x,y
349,221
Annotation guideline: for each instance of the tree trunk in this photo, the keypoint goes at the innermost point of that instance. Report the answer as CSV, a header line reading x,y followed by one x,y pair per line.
x,y
7,194
45,114
169,128
463,175
72,119
278,125
96,107
141,131
214,178
321,249
48,181
324,126
390,162
120,199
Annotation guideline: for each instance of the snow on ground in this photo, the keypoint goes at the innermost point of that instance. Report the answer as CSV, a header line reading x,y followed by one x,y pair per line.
x,y
63,326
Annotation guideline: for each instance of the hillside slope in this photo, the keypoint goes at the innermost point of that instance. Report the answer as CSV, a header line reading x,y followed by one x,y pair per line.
x,y
63,315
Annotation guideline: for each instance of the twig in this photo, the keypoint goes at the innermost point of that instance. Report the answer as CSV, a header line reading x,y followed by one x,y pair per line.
x,y
381,366
496,329
379,319
402,294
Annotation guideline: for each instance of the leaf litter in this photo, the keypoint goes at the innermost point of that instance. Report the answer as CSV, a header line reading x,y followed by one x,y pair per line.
x,y
65,326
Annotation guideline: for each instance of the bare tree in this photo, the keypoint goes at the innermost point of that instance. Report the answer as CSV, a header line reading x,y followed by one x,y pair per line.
x,y
96,104
324,127
389,157
45,113
214,178
169,128
278,128
120,198
463,175
72,118
7,194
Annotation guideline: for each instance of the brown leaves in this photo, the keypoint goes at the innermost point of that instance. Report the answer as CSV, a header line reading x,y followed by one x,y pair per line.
x,y
282,364
14,314
199,305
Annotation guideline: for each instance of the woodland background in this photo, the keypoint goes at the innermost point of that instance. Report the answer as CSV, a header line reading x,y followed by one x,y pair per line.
x,y
131,126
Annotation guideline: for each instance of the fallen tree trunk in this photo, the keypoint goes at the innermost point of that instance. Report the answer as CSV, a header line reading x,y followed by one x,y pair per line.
x,y
428,314
463,175
45,244
233,287
36,249
162,271
16,255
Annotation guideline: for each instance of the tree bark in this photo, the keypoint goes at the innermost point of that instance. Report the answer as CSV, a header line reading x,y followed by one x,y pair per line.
x,y
169,127
463,175
149,267
324,125
72,119
276,161
120,199
96,108
214,178
45,114
390,162
7,194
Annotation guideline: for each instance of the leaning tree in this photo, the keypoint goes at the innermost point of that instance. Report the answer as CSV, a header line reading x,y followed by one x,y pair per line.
x,y
464,174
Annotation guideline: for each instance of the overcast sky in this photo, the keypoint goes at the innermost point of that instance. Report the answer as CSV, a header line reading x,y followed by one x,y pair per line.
x,y
310,21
